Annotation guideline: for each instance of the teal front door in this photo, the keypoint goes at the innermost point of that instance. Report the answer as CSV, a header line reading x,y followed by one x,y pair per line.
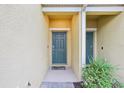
x,y
89,46
59,48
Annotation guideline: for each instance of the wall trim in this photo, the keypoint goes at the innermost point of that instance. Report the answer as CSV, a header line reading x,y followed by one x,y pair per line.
x,y
60,29
91,29
83,39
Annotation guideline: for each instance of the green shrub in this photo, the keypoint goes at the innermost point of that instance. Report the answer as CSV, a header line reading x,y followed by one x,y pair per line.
x,y
99,74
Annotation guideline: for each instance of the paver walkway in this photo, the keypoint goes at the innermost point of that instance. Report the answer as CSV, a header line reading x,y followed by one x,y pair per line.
x,y
57,85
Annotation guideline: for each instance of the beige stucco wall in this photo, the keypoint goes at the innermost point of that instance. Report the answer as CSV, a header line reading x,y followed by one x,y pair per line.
x,y
23,45
110,35
60,23
75,45
91,23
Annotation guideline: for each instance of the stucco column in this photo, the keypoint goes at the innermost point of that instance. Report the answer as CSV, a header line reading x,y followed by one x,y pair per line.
x,y
83,38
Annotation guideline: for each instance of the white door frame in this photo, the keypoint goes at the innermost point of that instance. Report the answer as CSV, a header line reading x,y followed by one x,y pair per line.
x,y
67,30
94,30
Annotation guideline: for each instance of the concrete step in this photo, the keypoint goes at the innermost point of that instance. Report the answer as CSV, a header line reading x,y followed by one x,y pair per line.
x,y
57,85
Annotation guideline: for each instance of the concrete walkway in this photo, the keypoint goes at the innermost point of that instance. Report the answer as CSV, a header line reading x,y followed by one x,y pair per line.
x,y
59,79
60,76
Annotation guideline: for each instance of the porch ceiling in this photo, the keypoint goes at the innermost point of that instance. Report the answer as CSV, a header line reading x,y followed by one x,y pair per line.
x,y
102,13
96,15
62,15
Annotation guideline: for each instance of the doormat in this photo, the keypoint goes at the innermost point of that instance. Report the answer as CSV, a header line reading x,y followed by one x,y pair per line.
x,y
58,67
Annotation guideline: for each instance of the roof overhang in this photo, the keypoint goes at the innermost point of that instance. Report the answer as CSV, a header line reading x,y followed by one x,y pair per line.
x,y
85,7
82,1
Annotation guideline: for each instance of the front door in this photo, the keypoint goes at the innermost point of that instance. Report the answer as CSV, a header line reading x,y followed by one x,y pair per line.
x,y
59,48
89,46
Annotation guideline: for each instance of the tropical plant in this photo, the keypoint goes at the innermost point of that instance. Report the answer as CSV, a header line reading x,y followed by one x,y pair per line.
x,y
99,74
